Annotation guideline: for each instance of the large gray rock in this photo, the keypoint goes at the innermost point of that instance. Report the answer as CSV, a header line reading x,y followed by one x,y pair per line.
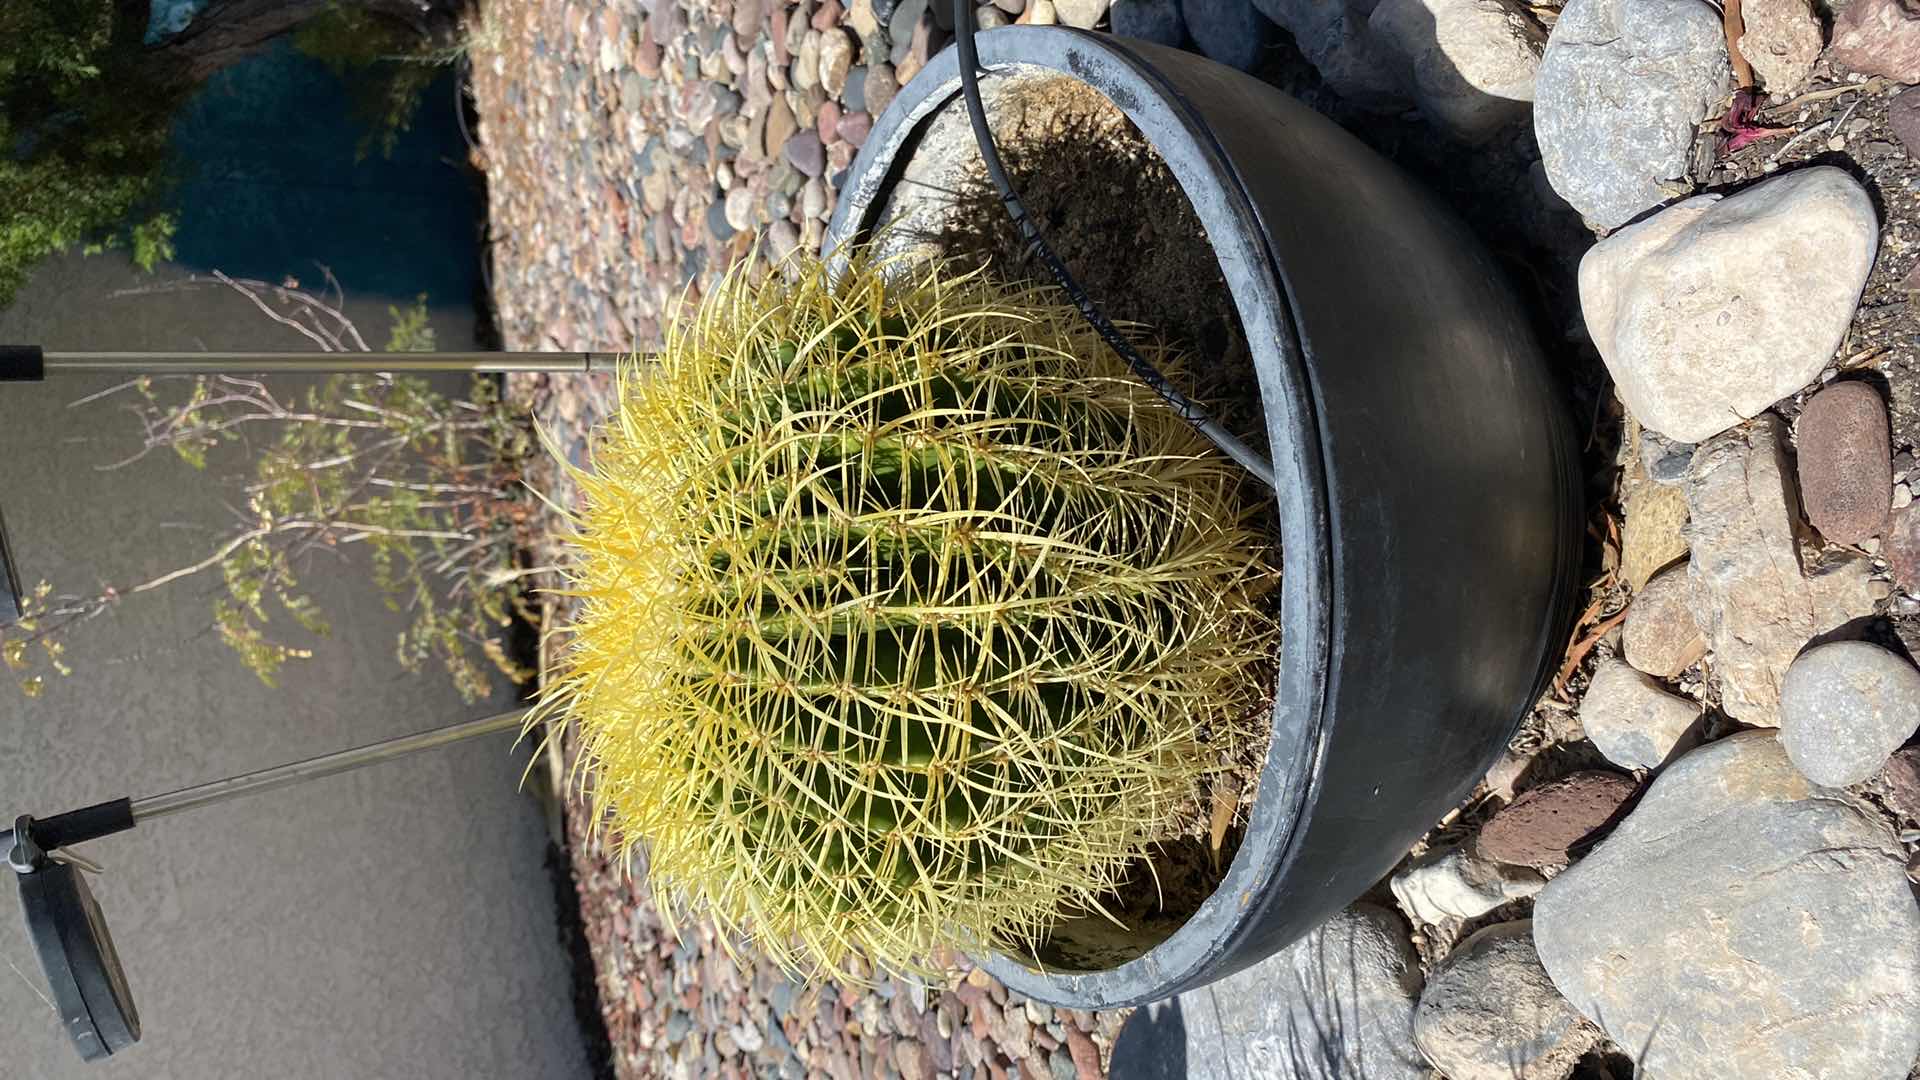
x,y
1742,923
1845,707
1470,63
1632,720
1337,1004
1712,310
1491,1013
1620,90
1335,38
1754,597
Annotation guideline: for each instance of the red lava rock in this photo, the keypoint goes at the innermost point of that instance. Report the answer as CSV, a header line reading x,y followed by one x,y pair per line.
x,y
1903,117
1902,547
1537,828
985,1017
855,127
1879,37
1846,462
1901,777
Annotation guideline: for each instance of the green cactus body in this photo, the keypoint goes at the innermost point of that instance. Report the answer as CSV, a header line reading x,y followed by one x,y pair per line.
x,y
909,618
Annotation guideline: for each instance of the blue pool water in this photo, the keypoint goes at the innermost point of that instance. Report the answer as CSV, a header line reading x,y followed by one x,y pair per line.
x,y
272,185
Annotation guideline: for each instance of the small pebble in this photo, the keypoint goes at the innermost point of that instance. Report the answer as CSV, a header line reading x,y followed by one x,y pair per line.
x,y
880,88
805,153
855,127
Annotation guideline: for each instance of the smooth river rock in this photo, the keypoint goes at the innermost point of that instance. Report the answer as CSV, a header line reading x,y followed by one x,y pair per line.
x,y
1742,924
1844,708
1490,1012
1620,90
1846,462
1756,597
1713,309
1471,63
1633,721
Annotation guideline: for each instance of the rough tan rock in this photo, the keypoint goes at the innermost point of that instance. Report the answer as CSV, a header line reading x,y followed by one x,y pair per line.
x,y
1754,595
1782,40
1651,535
1659,636
1490,1012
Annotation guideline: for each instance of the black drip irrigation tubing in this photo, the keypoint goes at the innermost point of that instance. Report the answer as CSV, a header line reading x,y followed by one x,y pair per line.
x,y
1037,246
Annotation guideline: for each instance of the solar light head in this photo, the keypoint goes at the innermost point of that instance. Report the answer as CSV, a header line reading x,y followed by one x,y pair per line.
x,y
75,948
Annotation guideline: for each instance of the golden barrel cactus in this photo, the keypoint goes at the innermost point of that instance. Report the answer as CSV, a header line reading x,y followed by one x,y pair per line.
x,y
908,617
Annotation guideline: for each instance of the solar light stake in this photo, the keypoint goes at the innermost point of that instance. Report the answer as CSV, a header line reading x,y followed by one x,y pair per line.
x,y
31,363
76,951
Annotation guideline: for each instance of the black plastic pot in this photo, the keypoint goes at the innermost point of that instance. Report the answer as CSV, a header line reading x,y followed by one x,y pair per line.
x,y
1429,506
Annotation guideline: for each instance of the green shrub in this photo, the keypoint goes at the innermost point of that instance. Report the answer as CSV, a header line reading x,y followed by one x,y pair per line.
x,y
83,135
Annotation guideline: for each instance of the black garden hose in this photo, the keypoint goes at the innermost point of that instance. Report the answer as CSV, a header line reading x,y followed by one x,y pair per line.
x,y
1037,246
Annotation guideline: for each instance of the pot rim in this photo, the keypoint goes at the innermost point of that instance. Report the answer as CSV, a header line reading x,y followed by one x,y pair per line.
x,y
1289,782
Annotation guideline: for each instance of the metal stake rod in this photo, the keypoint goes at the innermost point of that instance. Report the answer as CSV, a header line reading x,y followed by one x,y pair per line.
x,y
31,363
297,772
309,363
119,815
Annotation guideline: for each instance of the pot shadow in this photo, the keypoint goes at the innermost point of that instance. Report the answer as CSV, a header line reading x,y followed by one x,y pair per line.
x,y
1152,1044
1321,1022
1497,188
